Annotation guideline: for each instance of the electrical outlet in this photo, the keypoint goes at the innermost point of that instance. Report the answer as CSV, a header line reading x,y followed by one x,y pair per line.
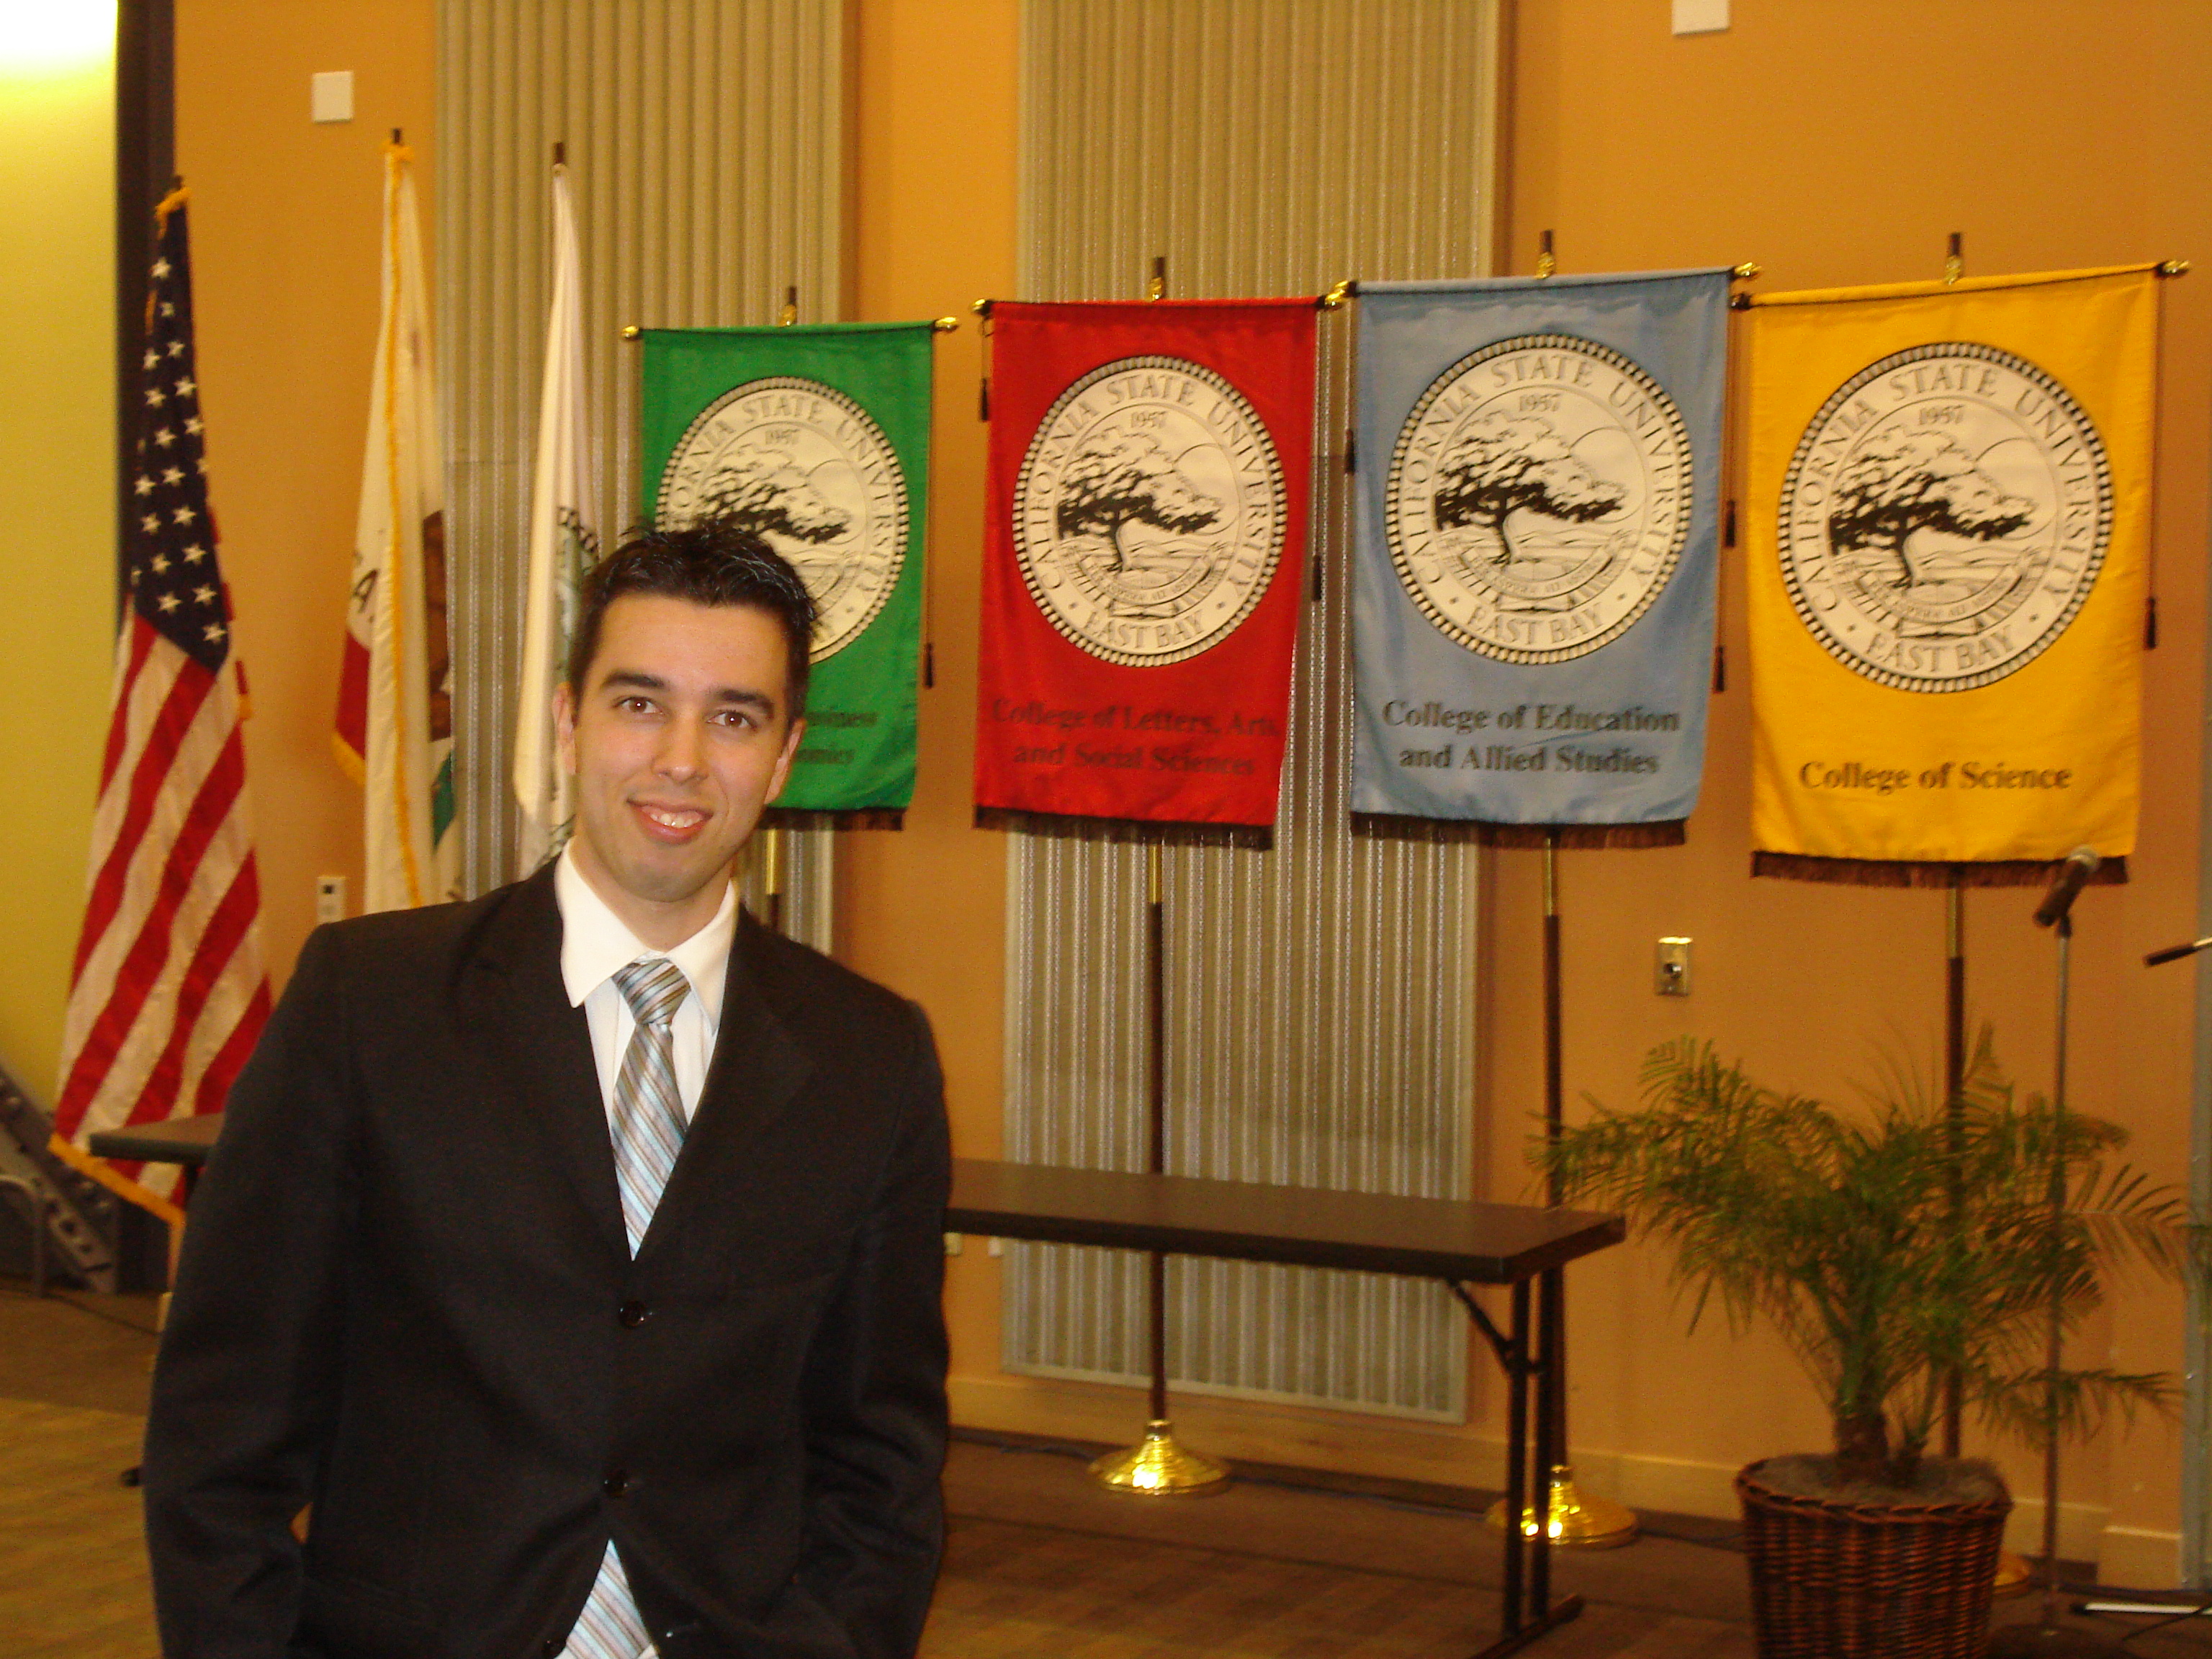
x,y
996,1247
329,899
952,1244
1672,978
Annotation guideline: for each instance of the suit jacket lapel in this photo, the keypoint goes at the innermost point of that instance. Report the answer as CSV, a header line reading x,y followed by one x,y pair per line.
x,y
544,1049
757,1068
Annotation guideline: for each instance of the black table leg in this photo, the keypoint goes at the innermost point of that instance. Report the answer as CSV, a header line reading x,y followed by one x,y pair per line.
x,y
1516,1453
1550,1385
1528,1365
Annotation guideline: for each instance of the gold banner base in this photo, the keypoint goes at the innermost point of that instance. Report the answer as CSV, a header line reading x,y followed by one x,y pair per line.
x,y
2015,1577
1576,1521
1158,1467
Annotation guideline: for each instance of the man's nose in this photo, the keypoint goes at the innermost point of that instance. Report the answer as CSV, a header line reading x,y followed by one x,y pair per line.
x,y
681,751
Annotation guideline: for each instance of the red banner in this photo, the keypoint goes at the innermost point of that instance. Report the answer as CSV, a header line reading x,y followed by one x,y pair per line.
x,y
1143,558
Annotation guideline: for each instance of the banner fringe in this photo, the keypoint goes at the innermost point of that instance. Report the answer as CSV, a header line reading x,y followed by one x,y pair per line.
x,y
1905,872
1068,826
1391,826
859,818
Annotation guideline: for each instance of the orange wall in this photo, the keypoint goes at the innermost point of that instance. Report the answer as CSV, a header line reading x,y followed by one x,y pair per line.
x,y
57,562
285,231
1833,144
924,910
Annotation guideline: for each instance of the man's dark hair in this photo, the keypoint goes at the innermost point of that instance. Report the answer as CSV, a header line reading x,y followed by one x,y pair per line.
x,y
711,562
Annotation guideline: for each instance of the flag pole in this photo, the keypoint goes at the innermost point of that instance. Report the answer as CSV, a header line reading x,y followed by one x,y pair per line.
x,y
1157,1465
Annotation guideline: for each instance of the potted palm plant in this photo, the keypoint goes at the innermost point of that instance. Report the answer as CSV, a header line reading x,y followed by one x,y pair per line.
x,y
1893,1247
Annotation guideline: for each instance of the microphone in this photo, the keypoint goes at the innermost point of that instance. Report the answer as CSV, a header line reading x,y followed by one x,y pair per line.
x,y
2081,865
2175,953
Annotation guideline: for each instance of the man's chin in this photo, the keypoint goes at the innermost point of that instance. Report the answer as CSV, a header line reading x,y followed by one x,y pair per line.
x,y
659,881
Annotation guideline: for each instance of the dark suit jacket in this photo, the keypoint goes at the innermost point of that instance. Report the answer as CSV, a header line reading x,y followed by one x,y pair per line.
x,y
406,1297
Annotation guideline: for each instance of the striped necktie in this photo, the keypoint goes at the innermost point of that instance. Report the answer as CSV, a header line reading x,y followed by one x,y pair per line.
x,y
648,1117
648,1128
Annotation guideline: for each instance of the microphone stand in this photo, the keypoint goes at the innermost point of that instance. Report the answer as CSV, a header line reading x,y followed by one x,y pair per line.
x,y
2050,1640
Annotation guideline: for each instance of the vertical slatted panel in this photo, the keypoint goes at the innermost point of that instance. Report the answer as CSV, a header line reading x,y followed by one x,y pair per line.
x,y
1321,1010
705,148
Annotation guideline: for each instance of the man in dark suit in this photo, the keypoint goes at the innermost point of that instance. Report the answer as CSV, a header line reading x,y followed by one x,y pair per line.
x,y
573,1254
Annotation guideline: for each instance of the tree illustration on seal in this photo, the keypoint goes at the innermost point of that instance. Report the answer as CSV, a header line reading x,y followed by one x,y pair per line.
x,y
1120,479
766,492
1918,481
1498,463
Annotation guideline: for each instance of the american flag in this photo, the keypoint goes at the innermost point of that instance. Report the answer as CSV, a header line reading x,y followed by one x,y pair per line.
x,y
168,993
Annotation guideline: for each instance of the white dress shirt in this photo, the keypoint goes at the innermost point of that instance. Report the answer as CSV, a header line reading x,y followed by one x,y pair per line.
x,y
595,942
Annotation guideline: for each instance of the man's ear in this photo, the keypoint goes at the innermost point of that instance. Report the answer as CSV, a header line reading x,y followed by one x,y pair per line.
x,y
783,760
564,726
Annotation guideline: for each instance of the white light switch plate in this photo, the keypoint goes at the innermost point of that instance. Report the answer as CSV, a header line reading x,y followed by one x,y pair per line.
x,y
330,95
1700,16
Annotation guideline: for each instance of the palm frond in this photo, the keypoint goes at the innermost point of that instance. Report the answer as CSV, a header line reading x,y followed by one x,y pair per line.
x,y
1892,1244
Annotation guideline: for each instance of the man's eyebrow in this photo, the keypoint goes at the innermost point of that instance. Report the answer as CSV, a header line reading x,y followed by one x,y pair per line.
x,y
729,694
633,680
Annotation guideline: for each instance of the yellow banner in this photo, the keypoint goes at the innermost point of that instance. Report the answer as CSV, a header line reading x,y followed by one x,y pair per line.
x,y
1949,495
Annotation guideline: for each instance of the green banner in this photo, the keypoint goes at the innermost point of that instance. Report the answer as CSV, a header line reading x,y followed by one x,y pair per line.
x,y
818,437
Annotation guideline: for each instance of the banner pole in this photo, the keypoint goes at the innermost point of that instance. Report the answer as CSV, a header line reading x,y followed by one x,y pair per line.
x,y
1156,1113
2013,1575
1557,1507
1157,1465
1955,1105
772,876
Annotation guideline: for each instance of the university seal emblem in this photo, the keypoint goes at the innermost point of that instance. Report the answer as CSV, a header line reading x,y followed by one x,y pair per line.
x,y
812,472
1944,517
1539,497
1149,511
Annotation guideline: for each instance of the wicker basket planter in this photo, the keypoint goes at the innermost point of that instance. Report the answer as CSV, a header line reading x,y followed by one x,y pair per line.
x,y
1850,1581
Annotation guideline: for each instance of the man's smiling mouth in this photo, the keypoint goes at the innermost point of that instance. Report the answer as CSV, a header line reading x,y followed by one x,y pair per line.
x,y
675,818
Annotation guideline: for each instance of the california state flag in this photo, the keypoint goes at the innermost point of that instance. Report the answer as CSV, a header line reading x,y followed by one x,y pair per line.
x,y
395,727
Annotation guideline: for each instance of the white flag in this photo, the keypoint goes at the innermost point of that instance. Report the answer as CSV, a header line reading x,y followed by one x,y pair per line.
x,y
564,539
395,727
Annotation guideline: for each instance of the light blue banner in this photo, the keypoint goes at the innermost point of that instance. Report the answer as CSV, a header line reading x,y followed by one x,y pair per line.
x,y
1538,514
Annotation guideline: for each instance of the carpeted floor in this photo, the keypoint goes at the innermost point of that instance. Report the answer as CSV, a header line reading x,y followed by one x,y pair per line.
x,y
1042,1562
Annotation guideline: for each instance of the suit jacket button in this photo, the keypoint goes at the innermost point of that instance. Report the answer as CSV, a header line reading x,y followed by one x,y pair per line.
x,y
617,1482
552,1647
634,1313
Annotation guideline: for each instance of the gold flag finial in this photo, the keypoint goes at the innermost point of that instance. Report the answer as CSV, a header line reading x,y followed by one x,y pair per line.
x,y
1546,264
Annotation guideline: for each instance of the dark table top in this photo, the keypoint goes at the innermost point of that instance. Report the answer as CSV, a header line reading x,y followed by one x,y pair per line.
x,y
185,1140
1305,1226
1180,1215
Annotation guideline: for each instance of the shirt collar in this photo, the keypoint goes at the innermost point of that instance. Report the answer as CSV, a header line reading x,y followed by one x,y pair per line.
x,y
595,942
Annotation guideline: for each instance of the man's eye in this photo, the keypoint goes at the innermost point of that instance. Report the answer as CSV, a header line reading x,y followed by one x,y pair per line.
x,y
635,705
736,717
